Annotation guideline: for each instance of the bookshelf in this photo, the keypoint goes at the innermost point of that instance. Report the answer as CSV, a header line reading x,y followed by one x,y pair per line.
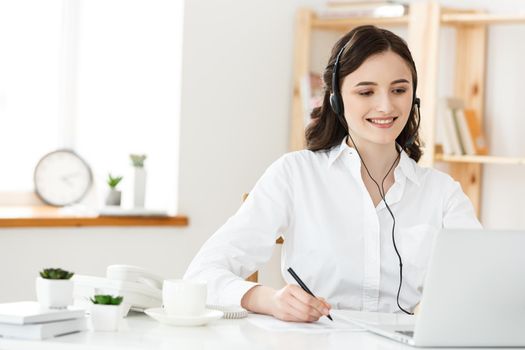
x,y
424,22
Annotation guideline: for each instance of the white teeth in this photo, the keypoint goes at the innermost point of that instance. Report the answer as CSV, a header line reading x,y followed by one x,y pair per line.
x,y
381,121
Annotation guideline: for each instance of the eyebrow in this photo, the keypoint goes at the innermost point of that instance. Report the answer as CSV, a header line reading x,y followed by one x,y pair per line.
x,y
363,83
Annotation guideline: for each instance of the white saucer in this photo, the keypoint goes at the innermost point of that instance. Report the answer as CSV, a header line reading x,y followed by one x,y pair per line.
x,y
160,315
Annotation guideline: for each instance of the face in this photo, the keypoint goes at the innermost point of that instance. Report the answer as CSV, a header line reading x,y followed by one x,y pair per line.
x,y
377,99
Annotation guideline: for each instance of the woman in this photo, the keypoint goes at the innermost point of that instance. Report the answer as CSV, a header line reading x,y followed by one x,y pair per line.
x,y
352,207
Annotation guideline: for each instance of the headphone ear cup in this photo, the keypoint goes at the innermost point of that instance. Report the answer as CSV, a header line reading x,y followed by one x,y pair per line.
x,y
335,103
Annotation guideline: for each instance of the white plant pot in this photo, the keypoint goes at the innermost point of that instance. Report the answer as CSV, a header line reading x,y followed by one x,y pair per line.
x,y
113,197
139,187
105,317
54,294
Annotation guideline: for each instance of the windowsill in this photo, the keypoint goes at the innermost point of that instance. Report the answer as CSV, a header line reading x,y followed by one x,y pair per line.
x,y
46,216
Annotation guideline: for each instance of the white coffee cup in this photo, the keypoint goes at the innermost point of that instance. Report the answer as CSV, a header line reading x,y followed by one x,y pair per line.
x,y
183,297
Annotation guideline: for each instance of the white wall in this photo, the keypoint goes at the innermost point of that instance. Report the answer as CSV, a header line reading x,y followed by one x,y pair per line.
x,y
234,122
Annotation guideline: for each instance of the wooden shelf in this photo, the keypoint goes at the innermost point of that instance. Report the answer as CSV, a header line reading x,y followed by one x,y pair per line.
x,y
424,22
44,216
481,18
446,18
345,23
480,159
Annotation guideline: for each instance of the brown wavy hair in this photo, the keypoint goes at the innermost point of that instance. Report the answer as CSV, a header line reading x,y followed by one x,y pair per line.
x,y
325,129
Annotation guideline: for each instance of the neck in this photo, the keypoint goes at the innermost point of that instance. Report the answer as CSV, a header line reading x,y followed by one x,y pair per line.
x,y
377,157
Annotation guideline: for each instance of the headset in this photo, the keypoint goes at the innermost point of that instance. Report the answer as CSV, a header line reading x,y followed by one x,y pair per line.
x,y
336,102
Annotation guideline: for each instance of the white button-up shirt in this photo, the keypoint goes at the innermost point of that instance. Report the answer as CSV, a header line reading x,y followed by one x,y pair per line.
x,y
336,240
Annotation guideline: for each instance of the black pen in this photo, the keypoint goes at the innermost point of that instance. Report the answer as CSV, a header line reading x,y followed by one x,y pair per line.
x,y
303,286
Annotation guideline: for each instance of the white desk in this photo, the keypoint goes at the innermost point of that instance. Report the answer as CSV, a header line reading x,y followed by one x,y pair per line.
x,y
138,331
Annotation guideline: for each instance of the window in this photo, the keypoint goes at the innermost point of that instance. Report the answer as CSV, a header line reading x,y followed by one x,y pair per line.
x,y
101,77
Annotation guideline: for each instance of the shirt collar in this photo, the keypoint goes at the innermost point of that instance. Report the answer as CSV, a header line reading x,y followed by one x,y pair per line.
x,y
336,151
406,164
408,167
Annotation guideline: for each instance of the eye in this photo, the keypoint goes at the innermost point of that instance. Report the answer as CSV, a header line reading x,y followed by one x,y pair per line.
x,y
399,91
365,93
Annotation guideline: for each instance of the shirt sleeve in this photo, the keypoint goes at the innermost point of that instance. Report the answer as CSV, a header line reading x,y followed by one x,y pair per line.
x,y
246,241
458,210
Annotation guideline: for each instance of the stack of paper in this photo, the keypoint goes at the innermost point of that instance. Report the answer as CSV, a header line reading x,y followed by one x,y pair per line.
x,y
28,320
118,211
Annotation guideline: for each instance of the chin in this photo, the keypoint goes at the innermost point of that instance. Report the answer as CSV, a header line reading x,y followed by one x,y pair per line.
x,y
383,141
375,139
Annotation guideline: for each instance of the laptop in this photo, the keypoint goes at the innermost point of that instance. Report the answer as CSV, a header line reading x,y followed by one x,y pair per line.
x,y
474,293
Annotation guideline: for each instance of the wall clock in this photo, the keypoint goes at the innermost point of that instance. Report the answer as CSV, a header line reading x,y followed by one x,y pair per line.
x,y
62,178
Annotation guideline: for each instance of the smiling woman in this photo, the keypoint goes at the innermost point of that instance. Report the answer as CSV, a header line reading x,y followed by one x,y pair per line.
x,y
335,202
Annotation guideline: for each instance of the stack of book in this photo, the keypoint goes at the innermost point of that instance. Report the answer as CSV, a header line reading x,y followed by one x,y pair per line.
x,y
459,130
28,320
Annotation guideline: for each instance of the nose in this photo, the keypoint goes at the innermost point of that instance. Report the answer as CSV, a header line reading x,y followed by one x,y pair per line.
x,y
384,103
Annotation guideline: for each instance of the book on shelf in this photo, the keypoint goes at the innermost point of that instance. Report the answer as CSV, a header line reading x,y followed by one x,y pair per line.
x,y
476,131
464,133
450,139
459,130
30,312
442,135
45,330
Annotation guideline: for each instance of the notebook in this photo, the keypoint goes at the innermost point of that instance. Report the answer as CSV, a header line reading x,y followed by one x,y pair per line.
x,y
30,312
44,330
230,311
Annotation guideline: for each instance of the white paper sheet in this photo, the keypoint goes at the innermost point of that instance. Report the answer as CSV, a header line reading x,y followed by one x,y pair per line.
x,y
375,317
324,325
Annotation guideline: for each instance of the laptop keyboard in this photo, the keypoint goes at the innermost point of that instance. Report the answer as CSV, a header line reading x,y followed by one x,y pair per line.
x,y
407,333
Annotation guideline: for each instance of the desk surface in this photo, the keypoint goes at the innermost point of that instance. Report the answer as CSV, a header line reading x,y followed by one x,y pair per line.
x,y
138,331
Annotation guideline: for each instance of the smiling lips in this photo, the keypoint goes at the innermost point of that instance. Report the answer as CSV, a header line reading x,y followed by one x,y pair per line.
x,y
385,122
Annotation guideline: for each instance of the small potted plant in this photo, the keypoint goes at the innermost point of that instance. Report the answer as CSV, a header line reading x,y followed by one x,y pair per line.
x,y
106,312
139,179
54,288
114,195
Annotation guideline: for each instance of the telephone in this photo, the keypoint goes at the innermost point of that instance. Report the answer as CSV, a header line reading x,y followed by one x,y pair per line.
x,y
140,288
134,274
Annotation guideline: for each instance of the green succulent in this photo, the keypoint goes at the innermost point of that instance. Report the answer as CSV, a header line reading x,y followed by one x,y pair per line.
x,y
56,274
104,299
137,160
113,181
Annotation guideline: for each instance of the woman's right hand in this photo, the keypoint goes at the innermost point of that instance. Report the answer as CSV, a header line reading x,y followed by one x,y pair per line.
x,y
290,303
